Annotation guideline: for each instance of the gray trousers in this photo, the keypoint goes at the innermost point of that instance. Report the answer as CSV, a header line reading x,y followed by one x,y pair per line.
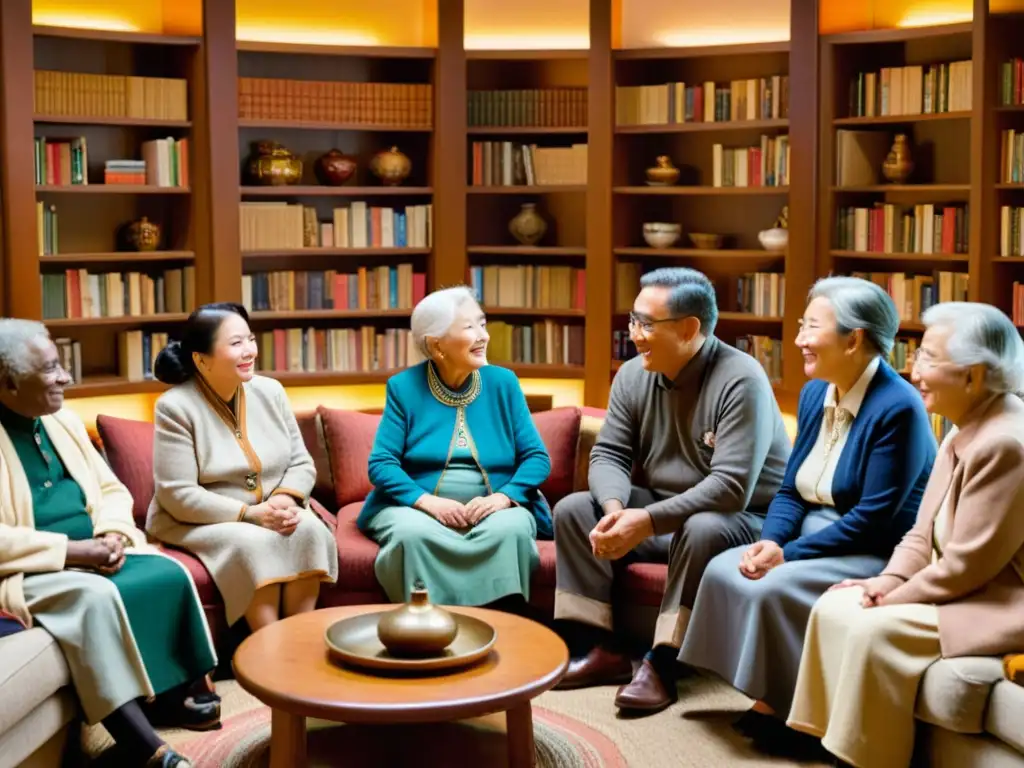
x,y
583,587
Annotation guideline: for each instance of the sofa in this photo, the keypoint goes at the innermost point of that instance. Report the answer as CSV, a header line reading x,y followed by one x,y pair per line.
x,y
969,715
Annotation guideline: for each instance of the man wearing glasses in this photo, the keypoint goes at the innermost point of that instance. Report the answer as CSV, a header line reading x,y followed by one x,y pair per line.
x,y
692,450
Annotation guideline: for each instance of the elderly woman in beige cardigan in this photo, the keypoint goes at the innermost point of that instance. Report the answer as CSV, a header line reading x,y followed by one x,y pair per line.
x,y
127,619
232,474
955,584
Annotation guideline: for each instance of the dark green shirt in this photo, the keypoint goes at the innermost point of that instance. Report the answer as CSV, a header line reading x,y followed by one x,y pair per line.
x,y
58,503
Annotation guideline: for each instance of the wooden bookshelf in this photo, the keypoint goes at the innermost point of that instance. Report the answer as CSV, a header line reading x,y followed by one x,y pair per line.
x,y
594,222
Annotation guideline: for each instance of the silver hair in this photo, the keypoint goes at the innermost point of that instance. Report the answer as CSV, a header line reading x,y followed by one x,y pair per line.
x,y
15,347
981,334
860,304
433,316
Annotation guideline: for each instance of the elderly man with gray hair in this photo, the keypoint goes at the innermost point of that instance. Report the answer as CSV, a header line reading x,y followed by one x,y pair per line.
x,y
691,453
864,449
127,618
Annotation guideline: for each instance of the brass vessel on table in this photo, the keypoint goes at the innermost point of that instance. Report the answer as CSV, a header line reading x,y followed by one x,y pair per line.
x,y
417,629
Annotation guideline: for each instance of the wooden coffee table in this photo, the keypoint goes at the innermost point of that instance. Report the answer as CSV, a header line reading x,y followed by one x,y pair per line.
x,y
287,667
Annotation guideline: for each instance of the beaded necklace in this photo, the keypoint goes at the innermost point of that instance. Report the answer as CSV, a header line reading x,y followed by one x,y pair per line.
x,y
443,394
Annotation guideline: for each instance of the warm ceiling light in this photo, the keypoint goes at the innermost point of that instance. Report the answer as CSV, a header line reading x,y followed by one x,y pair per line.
x,y
268,33
930,18
110,24
527,41
690,38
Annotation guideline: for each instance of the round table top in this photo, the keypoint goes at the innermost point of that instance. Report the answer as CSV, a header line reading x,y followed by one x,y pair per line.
x,y
286,666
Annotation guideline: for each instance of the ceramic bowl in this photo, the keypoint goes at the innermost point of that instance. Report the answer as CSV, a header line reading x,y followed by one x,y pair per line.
x,y
775,239
705,241
661,234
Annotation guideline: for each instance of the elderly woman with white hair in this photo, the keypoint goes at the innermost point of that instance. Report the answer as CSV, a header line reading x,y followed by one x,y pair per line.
x,y
864,449
954,585
456,467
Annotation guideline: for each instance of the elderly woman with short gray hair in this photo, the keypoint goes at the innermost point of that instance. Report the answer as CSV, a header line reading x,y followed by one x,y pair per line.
x,y
864,448
954,586
456,466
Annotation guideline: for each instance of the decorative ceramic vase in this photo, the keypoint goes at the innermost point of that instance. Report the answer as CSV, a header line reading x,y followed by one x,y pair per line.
x,y
272,165
334,168
141,235
774,239
663,174
390,166
898,164
659,234
527,226
418,628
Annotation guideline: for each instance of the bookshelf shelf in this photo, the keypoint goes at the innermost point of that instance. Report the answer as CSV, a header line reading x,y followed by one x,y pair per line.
x,y
104,386
523,190
1008,259
125,257
533,312
526,55
701,52
319,125
354,51
922,189
124,122
325,252
526,250
706,127
331,314
747,317
901,119
878,256
114,36
899,35
123,321
643,252
700,190
342,191
110,189
504,130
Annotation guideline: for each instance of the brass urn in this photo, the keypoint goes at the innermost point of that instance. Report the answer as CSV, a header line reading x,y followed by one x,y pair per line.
x,y
390,166
273,165
662,173
898,164
142,235
417,629
527,226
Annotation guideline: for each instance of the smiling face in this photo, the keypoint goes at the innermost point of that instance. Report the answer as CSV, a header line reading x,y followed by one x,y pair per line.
x,y
233,357
41,391
944,386
464,347
827,353
663,342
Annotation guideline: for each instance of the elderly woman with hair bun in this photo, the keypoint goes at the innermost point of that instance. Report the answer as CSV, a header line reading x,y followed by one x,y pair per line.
x,y
864,449
954,586
456,468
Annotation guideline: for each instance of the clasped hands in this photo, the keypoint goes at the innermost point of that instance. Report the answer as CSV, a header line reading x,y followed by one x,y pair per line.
x,y
875,589
619,532
760,558
279,513
104,554
454,514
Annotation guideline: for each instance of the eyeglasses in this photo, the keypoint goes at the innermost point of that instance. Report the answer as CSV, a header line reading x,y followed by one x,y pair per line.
x,y
645,325
926,362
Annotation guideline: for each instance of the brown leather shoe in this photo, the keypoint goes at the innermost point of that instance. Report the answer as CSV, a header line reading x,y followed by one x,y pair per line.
x,y
646,692
599,667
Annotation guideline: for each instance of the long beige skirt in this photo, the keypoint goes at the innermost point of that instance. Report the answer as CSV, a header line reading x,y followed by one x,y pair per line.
x,y
859,675
242,557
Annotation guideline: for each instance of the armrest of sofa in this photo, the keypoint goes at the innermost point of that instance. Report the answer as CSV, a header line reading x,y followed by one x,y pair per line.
x,y
321,511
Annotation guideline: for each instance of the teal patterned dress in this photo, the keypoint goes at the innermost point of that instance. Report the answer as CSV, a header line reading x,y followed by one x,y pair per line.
x,y
167,623
475,566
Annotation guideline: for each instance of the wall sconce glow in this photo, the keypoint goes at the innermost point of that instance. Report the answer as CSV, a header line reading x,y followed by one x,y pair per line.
x,y
528,41
690,38
110,24
925,18
259,33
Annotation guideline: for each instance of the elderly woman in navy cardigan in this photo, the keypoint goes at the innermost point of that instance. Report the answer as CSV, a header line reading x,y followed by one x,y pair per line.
x,y
456,467
863,453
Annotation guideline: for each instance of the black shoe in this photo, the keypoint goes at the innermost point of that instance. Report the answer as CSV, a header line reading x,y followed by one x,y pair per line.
x,y
168,758
191,713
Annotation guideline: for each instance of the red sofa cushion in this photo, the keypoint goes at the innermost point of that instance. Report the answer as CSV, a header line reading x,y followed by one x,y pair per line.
x,y
349,437
559,428
128,445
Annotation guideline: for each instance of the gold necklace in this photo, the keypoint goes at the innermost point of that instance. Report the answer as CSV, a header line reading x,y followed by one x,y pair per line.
x,y
443,394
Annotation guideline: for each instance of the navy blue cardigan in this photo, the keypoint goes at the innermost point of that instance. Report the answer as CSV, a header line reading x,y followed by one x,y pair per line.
x,y
878,481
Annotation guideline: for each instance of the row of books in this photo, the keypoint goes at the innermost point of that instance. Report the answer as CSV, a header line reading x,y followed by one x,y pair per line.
x,y
46,229
766,165
78,293
529,108
65,161
758,98
281,225
529,286
889,228
400,104
91,95
762,294
914,293
367,288
506,164
912,90
1011,157
545,342
766,350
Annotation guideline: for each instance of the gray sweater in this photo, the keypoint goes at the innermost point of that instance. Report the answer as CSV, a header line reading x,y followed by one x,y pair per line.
x,y
713,440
